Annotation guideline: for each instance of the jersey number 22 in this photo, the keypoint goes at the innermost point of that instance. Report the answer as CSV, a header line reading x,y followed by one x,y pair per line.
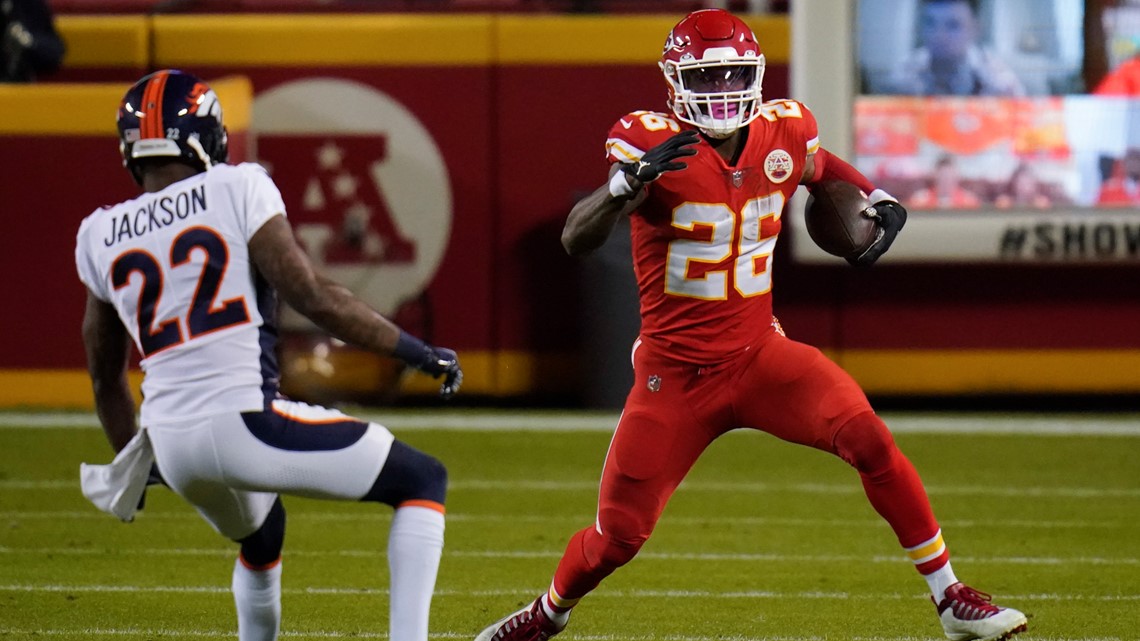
x,y
203,316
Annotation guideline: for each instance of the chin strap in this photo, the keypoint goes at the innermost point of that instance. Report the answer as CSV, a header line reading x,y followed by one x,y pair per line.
x,y
717,136
193,143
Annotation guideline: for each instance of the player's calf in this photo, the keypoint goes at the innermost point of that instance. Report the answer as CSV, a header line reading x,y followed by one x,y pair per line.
x,y
263,548
256,585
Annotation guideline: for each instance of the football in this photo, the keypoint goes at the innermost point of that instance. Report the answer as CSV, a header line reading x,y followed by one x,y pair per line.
x,y
835,220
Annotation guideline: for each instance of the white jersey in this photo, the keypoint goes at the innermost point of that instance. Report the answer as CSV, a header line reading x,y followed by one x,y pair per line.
x,y
176,266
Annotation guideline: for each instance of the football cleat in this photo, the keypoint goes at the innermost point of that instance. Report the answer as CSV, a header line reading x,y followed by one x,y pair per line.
x,y
968,615
527,624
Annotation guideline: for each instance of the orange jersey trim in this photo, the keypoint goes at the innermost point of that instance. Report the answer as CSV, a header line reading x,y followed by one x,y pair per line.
x,y
319,421
259,568
431,505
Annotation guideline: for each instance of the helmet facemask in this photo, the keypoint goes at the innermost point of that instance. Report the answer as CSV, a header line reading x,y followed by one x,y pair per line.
x,y
718,94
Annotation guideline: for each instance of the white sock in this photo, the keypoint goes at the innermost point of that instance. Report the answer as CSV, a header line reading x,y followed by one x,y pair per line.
x,y
415,543
257,595
558,617
939,580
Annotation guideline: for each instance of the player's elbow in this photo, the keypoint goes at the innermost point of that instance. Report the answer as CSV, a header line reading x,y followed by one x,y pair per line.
x,y
569,244
577,244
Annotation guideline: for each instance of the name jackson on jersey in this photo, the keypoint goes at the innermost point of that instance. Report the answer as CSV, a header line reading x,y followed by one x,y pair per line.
x,y
155,214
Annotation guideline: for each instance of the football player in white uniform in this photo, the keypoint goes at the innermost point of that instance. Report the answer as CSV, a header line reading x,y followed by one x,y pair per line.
x,y
189,271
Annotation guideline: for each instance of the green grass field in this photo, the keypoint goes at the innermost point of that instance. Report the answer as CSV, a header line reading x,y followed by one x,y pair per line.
x,y
764,541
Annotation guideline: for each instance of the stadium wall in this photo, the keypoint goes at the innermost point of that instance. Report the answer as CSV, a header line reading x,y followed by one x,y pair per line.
x,y
465,140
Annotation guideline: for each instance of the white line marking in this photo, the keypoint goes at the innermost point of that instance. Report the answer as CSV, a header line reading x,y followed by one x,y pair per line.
x,y
556,554
324,634
712,486
211,634
593,421
454,517
600,593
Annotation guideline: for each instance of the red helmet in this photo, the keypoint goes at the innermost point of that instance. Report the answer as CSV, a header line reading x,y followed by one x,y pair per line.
x,y
714,69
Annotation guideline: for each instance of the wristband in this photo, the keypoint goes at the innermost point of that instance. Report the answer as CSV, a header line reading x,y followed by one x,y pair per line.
x,y
409,349
619,186
879,196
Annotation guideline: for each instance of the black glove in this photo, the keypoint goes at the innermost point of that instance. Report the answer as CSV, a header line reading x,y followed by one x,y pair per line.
x,y
662,158
154,477
431,360
889,217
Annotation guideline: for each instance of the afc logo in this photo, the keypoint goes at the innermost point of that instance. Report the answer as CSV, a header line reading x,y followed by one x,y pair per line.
x,y
364,184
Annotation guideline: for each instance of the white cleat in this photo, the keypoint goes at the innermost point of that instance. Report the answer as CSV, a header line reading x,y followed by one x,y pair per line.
x,y
968,615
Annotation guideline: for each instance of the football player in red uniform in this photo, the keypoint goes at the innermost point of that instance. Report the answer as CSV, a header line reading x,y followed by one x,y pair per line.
x,y
705,187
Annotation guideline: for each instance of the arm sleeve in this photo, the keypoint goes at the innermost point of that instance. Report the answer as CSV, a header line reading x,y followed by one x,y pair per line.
x,y
262,200
828,166
619,150
635,133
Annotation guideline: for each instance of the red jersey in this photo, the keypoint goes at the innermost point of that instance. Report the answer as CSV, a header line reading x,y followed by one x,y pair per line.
x,y
703,238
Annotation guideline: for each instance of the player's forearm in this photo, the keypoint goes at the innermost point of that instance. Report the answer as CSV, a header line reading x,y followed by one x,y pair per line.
x,y
115,408
327,303
592,220
335,309
108,349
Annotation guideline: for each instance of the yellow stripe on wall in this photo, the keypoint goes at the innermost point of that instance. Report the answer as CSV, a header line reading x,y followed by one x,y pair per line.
x,y
50,109
105,41
612,39
52,388
993,371
385,40
307,40
511,373
68,109
506,373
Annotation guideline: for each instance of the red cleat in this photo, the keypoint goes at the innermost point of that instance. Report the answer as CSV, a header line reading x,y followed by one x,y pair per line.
x,y
528,624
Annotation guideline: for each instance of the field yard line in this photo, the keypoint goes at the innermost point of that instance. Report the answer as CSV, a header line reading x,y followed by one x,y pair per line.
x,y
711,486
197,634
595,421
557,553
221,634
216,634
600,593
453,517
